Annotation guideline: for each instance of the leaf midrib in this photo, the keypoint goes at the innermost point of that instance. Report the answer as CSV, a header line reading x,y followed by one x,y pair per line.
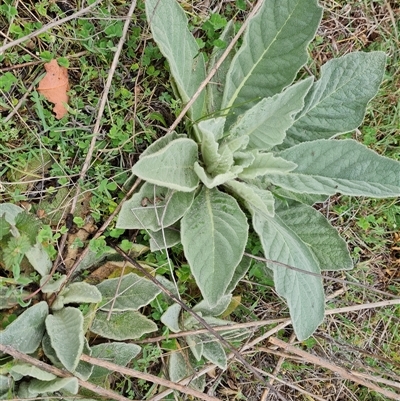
x,y
255,65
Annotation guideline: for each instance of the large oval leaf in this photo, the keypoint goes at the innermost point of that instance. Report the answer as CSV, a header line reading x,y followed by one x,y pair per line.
x,y
153,208
170,31
304,293
214,234
127,325
25,333
170,167
273,50
65,329
130,292
345,166
337,101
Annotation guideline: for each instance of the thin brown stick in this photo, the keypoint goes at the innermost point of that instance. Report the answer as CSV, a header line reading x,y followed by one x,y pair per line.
x,y
185,307
291,385
216,66
363,306
96,128
208,368
146,376
339,370
48,26
234,326
61,373
277,370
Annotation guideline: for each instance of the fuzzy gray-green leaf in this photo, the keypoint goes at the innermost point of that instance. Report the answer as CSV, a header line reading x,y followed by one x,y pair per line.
x,y
65,329
25,333
118,353
266,164
170,167
214,234
26,369
337,101
69,384
266,122
80,292
171,317
329,249
127,325
153,208
170,31
130,292
164,238
344,166
255,198
303,292
273,51
214,352
219,179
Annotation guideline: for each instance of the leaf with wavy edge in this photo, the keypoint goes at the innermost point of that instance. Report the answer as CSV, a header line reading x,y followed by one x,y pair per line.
x,y
214,234
337,101
273,51
169,26
304,293
344,166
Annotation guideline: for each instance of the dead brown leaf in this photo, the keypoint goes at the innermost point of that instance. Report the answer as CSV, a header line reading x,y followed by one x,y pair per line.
x,y
54,87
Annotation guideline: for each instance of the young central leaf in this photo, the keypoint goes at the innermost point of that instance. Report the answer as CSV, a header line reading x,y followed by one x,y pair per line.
x,y
170,167
214,234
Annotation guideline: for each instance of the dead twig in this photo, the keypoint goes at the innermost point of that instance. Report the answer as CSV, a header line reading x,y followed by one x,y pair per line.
x,y
96,128
61,373
346,374
146,376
